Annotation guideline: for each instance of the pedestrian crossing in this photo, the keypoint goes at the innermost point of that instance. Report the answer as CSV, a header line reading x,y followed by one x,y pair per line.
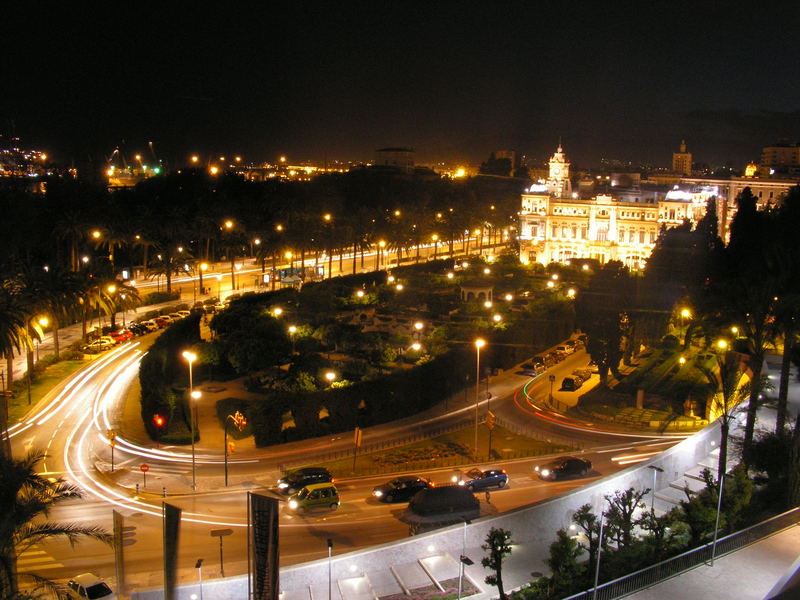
x,y
35,559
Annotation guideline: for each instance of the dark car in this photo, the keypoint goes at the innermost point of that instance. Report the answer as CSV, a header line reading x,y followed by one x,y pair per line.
x,y
475,479
297,480
401,489
445,500
564,467
570,384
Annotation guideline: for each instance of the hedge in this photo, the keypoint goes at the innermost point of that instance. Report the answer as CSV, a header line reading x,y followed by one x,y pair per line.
x,y
163,367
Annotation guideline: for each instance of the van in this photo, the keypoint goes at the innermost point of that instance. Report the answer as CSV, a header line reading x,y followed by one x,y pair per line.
x,y
315,496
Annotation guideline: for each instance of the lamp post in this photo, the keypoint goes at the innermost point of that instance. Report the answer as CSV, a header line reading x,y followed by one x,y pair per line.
x,y
656,471
479,343
292,331
190,358
330,376
219,287
203,267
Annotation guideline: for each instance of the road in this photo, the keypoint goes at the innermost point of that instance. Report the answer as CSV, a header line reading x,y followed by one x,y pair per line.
x,y
72,421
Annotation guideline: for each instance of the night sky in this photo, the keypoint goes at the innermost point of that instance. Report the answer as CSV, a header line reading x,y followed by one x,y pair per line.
x,y
455,81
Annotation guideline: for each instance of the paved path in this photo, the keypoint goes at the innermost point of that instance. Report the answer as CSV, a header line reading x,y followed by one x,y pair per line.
x,y
747,574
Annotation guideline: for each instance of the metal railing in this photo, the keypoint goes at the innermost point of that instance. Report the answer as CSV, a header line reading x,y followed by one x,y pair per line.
x,y
691,559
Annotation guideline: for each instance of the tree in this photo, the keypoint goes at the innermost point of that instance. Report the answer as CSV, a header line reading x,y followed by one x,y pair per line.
x,y
622,506
602,312
496,166
498,543
589,523
13,337
25,498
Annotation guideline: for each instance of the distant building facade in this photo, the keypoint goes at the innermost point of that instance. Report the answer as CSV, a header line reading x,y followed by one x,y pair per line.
x,y
781,159
398,158
618,216
620,223
682,161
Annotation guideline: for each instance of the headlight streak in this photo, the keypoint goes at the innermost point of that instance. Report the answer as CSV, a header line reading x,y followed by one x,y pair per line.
x,y
46,412
82,473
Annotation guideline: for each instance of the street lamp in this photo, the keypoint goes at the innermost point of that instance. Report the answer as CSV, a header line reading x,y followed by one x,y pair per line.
x,y
190,358
435,239
479,343
656,471
292,331
219,287
381,246
201,270
330,376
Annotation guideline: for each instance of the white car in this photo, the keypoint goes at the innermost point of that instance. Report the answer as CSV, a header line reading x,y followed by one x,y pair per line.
x,y
89,587
184,313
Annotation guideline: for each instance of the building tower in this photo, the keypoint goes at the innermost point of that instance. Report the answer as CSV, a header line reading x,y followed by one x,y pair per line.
x,y
558,182
682,161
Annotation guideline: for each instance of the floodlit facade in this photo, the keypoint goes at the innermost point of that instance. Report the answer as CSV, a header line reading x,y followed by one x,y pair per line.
x,y
558,225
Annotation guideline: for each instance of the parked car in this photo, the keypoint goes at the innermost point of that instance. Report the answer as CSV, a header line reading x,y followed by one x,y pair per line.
x,y
108,339
138,329
475,479
571,344
401,489
538,360
121,335
565,350
296,480
570,384
89,586
162,322
150,324
184,313
564,467
315,496
96,347
176,316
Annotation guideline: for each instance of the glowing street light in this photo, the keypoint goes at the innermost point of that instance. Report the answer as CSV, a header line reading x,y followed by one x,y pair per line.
x,y
190,358
479,343
509,297
488,304
330,376
292,331
450,275
497,318
550,284
571,292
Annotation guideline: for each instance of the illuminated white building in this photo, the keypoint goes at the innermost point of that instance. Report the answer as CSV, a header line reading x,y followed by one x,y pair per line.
x,y
558,225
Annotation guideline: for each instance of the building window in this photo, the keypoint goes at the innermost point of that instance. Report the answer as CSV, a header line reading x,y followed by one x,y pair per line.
x,y
652,237
602,234
641,236
574,232
584,233
555,230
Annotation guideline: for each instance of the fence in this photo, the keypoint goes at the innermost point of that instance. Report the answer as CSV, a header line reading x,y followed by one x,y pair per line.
x,y
554,443
676,565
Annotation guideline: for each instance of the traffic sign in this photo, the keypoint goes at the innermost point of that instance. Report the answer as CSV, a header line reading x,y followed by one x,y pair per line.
x,y
358,436
128,535
221,532
144,468
490,418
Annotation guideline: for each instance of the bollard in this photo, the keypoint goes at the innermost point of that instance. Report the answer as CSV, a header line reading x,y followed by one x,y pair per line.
x,y
164,492
137,489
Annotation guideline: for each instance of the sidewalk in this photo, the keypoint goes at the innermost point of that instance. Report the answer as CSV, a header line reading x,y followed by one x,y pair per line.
x,y
747,574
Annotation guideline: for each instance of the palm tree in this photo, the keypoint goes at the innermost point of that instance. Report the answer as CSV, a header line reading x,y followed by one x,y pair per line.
x,y
14,317
54,291
26,497
731,389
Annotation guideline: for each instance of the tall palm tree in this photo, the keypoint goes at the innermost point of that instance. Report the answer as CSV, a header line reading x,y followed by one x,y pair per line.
x,y
14,317
55,292
25,498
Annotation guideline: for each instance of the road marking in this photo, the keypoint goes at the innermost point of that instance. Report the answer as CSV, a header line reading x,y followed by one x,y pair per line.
x,y
36,559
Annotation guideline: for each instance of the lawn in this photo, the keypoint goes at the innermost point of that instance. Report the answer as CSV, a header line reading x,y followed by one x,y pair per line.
x,y
53,375
450,449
